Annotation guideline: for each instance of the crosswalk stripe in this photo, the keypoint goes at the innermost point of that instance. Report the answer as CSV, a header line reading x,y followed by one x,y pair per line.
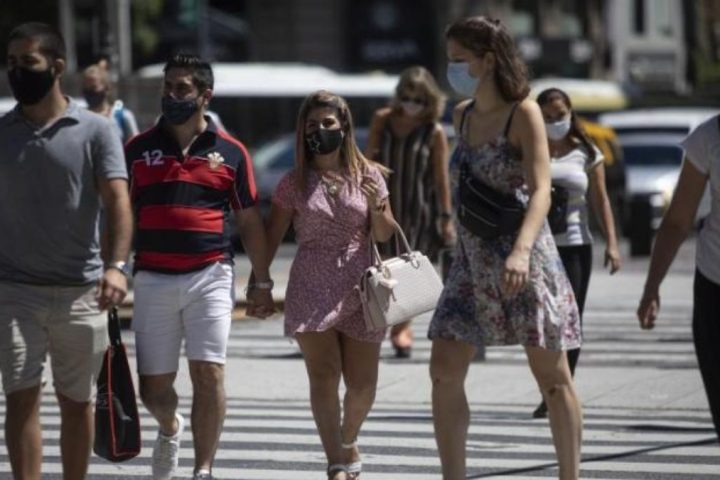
x,y
277,440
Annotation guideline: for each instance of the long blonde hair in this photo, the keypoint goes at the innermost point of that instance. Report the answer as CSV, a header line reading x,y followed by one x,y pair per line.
x,y
419,79
352,160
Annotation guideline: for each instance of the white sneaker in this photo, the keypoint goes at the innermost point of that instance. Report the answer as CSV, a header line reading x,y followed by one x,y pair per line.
x,y
166,452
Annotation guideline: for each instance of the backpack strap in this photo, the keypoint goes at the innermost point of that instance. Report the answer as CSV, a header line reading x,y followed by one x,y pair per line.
x,y
119,117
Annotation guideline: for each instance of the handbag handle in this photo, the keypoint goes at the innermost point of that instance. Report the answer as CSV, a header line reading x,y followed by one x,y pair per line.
x,y
114,327
375,253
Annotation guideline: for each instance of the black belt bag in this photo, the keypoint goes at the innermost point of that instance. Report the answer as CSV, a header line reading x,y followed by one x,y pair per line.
x,y
484,211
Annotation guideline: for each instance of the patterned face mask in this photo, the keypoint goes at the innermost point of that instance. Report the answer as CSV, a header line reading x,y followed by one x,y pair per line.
x,y
324,141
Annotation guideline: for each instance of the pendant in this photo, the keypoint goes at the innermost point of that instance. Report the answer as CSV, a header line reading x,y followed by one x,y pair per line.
x,y
332,188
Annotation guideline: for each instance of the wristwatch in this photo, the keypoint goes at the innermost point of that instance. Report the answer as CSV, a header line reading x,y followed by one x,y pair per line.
x,y
119,265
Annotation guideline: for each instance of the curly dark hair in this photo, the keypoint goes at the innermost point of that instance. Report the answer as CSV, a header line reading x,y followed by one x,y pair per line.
x,y
576,130
483,34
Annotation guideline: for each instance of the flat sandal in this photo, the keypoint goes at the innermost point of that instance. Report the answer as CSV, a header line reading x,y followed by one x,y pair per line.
x,y
354,469
336,468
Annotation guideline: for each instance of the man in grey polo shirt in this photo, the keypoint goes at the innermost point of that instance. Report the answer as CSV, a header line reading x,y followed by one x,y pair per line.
x,y
58,162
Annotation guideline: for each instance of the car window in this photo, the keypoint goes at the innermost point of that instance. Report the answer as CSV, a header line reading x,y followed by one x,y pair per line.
x,y
652,155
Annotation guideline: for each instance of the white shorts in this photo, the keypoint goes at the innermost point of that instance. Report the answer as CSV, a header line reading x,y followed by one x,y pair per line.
x,y
196,306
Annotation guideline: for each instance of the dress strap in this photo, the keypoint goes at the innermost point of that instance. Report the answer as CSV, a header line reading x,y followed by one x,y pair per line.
x,y
509,120
464,116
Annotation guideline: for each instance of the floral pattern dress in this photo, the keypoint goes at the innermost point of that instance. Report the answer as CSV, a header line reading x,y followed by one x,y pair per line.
x,y
472,307
332,233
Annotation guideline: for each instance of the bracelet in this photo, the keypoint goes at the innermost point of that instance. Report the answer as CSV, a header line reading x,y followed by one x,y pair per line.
x,y
379,208
260,285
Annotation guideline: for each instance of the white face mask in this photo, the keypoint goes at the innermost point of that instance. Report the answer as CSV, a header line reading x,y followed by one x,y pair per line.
x,y
411,109
558,130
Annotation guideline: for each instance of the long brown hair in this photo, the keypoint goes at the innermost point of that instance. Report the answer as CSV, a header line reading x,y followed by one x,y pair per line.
x,y
419,79
576,129
481,35
353,161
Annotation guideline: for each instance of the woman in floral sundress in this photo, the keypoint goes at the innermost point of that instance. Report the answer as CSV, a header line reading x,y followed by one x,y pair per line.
x,y
511,289
333,197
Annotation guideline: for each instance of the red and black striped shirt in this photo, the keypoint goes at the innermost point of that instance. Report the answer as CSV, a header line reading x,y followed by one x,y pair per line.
x,y
182,201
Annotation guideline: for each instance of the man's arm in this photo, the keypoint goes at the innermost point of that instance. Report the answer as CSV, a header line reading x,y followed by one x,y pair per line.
x,y
252,234
116,240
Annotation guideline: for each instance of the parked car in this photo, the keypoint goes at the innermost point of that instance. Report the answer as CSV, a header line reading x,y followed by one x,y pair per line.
x,y
650,141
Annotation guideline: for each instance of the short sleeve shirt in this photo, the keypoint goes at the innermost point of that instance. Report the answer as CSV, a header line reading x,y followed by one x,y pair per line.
x,y
572,171
49,197
182,201
702,149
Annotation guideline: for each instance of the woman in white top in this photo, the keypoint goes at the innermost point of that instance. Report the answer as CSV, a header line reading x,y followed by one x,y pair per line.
x,y
701,165
576,167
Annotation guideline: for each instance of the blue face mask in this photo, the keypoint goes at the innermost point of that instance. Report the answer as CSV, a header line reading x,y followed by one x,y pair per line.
x,y
458,74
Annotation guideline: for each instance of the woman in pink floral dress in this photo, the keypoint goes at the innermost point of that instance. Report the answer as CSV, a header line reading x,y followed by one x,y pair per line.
x,y
333,197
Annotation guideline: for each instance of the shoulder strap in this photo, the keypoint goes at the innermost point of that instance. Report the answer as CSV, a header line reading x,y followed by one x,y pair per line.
x,y
509,120
119,116
464,116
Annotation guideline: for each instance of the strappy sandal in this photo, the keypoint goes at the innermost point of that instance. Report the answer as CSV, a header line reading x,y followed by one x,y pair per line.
x,y
354,469
336,468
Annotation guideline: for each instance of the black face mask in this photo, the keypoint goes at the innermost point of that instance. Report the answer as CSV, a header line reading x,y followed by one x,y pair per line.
x,y
177,112
30,86
324,141
94,98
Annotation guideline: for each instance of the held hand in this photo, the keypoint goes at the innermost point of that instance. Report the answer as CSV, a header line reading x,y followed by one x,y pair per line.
x,y
612,258
515,276
371,191
260,303
648,309
111,289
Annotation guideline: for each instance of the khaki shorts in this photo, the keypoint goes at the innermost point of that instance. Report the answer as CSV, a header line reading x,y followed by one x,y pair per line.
x,y
63,321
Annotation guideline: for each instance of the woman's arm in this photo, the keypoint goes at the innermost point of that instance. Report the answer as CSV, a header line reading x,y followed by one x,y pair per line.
x,y
601,206
675,226
528,131
382,222
442,182
372,149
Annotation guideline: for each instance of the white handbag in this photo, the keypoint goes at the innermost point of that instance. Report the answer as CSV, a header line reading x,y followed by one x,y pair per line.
x,y
398,289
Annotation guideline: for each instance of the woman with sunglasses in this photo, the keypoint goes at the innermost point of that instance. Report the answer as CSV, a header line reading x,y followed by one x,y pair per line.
x,y
407,138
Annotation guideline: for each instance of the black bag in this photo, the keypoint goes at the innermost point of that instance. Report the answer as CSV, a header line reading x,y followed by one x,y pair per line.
x,y
557,215
484,211
117,423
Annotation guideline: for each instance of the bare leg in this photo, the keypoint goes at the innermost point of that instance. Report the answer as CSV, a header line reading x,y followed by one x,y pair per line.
x,y
76,436
451,415
23,434
552,374
323,361
360,372
160,398
401,336
208,410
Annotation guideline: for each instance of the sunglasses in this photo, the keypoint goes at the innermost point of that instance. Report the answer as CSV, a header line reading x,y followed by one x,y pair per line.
x,y
415,100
